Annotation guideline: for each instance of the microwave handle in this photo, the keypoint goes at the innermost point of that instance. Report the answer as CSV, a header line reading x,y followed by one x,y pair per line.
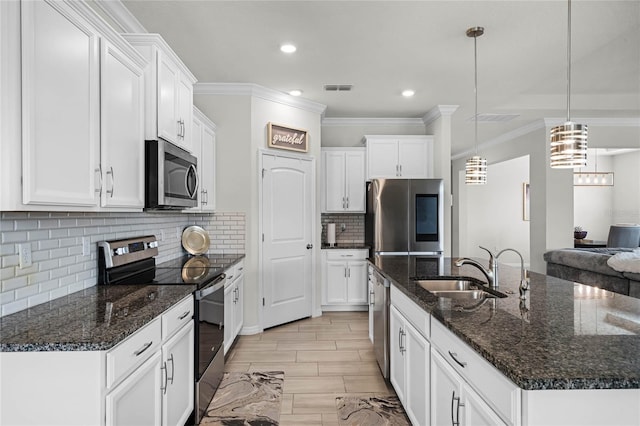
x,y
192,169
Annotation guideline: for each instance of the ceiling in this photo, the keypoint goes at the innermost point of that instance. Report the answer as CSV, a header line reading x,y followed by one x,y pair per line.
x,y
384,47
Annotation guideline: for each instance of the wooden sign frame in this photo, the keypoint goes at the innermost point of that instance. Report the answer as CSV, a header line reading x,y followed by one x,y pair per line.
x,y
284,137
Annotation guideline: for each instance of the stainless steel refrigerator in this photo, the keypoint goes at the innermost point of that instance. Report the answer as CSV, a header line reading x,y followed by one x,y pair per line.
x,y
405,216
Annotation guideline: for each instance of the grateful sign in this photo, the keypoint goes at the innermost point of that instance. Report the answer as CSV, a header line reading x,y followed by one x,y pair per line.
x,y
287,138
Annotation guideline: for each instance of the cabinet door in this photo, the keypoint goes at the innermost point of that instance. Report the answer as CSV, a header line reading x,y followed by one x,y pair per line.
x,y
168,125
397,352
61,106
477,412
417,377
382,159
207,168
138,399
357,282
177,357
355,179
184,111
229,296
371,301
334,181
446,392
122,132
196,130
336,282
413,159
238,314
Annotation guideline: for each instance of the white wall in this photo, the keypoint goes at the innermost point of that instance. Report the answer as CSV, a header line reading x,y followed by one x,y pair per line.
x,y
502,225
351,134
241,131
626,190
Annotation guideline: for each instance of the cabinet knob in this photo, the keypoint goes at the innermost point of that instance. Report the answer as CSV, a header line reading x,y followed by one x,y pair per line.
x,y
309,246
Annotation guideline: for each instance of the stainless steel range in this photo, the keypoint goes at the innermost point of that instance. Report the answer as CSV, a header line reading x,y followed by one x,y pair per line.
x,y
132,261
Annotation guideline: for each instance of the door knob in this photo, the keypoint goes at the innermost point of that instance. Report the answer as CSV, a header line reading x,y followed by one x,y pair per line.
x,y
309,246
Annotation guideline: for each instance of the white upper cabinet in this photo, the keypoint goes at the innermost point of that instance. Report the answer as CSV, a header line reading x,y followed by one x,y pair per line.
x,y
344,180
60,106
122,132
168,92
409,157
204,143
72,134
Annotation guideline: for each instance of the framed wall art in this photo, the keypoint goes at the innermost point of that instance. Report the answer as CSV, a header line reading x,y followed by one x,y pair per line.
x,y
525,201
284,137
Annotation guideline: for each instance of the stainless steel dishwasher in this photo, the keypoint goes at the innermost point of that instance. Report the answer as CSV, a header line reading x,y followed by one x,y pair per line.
x,y
381,302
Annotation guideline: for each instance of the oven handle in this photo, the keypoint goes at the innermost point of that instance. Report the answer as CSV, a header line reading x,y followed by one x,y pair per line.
x,y
211,288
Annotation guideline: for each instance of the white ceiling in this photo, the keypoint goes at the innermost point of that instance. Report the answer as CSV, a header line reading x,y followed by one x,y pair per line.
x,y
383,47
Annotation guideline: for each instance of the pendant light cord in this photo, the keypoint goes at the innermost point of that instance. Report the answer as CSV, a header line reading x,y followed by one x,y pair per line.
x,y
475,89
569,60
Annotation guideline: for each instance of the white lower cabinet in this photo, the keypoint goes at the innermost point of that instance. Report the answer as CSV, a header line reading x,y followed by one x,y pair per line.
x,y
138,399
233,304
344,279
409,370
178,367
370,289
453,401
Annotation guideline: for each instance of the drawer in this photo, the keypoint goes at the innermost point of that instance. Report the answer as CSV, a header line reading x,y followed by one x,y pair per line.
x,y
127,355
499,392
417,316
177,316
347,254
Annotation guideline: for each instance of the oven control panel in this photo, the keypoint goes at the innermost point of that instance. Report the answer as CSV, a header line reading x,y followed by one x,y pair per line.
x,y
122,252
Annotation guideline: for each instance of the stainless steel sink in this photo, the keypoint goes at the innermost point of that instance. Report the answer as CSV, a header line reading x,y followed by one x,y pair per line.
x,y
459,289
446,285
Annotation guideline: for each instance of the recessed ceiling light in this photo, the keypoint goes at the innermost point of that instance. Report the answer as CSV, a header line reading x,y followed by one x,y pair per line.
x,y
295,92
408,93
288,48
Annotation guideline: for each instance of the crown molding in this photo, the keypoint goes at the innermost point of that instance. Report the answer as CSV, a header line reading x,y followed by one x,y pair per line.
x,y
250,89
203,118
438,111
370,121
506,137
119,14
597,121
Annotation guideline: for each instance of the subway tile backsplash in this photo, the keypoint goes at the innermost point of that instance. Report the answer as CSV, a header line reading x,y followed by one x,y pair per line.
x,y
55,239
354,227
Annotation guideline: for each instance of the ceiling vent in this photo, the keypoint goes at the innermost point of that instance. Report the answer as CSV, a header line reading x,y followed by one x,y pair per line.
x,y
494,118
338,87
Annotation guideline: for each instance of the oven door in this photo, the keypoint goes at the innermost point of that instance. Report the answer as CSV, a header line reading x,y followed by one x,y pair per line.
x,y
209,362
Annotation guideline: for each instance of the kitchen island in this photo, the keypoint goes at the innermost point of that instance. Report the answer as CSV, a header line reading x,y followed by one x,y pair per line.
x,y
569,343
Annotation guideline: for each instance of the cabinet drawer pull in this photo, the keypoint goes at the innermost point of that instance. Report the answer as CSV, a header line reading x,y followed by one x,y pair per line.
x,y
144,348
166,378
346,255
173,369
455,420
372,298
183,316
454,355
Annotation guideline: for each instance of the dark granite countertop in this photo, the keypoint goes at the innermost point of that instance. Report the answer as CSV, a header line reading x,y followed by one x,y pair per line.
x,y
96,318
345,246
565,336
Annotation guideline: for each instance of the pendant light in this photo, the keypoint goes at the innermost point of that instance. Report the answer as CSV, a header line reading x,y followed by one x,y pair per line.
x,y
569,140
476,166
594,178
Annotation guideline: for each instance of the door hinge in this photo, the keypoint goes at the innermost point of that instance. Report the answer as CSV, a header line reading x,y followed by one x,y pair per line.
x,y
263,301
263,170
263,238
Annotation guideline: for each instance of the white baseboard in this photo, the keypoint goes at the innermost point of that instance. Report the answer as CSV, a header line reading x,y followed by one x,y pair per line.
x,y
344,308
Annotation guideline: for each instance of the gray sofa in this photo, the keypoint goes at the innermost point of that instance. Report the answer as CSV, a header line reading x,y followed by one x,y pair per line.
x,y
589,266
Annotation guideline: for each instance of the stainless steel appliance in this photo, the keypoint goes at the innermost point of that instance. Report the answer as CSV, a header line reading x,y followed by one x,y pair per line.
x,y
405,216
131,261
381,301
171,180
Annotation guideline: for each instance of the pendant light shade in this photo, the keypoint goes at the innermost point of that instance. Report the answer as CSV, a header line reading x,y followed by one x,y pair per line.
x,y
476,171
476,166
569,140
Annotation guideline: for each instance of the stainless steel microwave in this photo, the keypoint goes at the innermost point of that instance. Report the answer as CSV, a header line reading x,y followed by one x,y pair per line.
x,y
171,177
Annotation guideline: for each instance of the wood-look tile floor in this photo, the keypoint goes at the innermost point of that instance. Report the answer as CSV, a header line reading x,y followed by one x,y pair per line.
x,y
322,358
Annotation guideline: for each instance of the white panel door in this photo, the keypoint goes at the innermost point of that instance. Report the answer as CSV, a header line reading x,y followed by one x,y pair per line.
x,y
357,282
382,159
396,352
61,106
229,317
446,392
122,131
417,376
336,277
207,168
184,110
238,313
287,217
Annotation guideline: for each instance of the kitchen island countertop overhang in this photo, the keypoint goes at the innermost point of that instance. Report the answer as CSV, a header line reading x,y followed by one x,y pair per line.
x,y
564,336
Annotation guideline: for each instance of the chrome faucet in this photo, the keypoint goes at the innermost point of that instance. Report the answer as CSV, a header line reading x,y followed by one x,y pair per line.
x,y
491,273
524,284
